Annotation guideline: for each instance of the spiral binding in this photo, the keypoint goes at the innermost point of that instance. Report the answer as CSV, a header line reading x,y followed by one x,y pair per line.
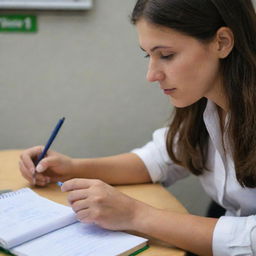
x,y
14,193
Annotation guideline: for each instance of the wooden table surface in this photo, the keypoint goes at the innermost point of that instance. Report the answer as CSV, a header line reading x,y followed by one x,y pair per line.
x,y
153,194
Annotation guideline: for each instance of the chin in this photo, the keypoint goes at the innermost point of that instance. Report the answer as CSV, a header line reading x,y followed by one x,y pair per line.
x,y
181,104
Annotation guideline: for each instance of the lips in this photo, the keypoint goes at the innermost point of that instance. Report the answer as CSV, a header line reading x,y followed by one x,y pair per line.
x,y
169,91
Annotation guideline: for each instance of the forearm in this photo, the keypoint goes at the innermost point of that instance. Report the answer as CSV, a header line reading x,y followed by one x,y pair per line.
x,y
186,231
120,169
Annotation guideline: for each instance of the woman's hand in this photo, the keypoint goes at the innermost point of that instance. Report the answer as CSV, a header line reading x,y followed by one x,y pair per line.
x,y
97,202
54,167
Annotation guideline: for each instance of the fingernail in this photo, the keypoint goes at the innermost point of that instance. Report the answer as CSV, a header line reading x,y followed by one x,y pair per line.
x,y
39,168
62,188
48,180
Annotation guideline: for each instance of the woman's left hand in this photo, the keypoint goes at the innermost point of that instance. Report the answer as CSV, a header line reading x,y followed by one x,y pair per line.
x,y
97,202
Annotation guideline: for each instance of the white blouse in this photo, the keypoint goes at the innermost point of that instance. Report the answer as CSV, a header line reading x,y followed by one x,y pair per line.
x,y
234,233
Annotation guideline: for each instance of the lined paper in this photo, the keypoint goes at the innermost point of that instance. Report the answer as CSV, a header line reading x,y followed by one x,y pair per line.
x,y
81,240
25,215
33,225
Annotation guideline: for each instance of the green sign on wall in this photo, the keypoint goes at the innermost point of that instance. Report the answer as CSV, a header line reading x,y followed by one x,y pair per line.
x,y
18,23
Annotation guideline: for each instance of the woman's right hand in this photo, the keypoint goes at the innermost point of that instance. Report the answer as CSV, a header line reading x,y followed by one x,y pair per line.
x,y
54,167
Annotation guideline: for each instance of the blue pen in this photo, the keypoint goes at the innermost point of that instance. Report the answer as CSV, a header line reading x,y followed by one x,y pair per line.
x,y
59,183
49,142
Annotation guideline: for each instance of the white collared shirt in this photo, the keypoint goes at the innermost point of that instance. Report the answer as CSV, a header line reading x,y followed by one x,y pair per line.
x,y
234,233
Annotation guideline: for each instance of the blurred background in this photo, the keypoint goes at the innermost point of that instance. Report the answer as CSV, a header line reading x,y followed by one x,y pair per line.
x,y
88,67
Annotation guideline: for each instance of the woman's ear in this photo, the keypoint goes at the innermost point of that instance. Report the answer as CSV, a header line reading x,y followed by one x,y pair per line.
x,y
224,41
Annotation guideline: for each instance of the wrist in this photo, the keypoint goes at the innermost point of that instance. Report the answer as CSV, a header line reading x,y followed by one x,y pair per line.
x,y
142,217
76,167
80,168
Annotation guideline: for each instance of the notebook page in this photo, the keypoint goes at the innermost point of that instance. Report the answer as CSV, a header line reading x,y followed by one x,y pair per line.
x,y
25,215
80,240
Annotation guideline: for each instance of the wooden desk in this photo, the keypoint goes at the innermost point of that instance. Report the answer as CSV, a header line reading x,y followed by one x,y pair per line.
x,y
153,194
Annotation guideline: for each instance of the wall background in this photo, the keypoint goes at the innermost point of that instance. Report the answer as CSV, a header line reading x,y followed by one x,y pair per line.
x,y
86,66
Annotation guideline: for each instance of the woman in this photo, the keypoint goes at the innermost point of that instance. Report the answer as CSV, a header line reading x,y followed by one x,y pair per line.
x,y
203,55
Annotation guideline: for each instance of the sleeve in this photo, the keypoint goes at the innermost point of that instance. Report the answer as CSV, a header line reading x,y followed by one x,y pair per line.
x,y
155,156
235,236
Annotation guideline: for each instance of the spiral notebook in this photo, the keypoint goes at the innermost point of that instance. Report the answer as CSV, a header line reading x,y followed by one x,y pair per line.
x,y
33,225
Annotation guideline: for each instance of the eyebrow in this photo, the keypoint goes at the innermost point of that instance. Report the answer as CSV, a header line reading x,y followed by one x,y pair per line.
x,y
156,48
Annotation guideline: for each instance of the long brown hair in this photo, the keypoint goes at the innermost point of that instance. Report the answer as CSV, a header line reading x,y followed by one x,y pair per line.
x,y
187,134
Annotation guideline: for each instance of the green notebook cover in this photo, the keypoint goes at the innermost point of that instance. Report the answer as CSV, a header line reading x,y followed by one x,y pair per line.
x,y
5,252
140,250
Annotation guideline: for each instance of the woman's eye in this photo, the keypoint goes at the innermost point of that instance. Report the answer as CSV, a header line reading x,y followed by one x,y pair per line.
x,y
166,57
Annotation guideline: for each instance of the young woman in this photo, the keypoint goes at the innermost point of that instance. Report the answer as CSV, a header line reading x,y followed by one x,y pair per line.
x,y
203,55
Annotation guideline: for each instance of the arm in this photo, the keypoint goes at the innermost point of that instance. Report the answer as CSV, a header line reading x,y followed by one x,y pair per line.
x,y
120,169
94,201
226,236
186,231
97,202
150,163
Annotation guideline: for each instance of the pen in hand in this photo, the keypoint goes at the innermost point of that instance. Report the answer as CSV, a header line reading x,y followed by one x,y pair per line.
x,y
59,183
50,141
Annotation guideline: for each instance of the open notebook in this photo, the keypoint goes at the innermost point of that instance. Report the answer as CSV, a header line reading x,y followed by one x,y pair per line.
x,y
33,225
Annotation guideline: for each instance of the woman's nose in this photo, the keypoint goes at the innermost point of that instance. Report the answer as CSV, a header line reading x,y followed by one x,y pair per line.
x,y
154,74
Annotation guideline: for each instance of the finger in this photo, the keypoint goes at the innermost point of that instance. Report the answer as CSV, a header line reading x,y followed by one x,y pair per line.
x,y
79,205
41,179
76,195
46,163
41,183
55,179
25,173
75,184
28,155
84,216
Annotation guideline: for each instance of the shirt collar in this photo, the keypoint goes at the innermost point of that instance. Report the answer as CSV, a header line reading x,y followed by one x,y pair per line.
x,y
212,123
